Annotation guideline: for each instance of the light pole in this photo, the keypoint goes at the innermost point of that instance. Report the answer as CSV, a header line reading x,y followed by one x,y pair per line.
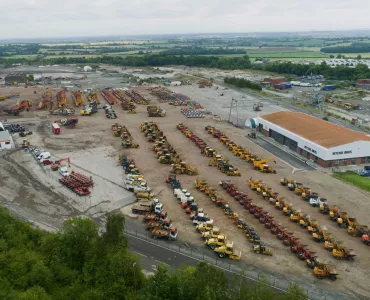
x,y
133,266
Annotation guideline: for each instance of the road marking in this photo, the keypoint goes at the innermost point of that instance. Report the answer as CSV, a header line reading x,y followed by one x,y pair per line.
x,y
161,262
139,253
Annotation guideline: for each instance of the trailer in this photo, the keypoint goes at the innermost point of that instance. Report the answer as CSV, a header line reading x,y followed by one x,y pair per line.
x,y
55,128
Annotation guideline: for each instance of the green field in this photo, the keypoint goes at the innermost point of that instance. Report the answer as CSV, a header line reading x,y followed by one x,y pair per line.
x,y
297,43
355,179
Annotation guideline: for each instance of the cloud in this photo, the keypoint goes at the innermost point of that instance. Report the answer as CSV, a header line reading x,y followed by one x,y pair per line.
x,y
55,18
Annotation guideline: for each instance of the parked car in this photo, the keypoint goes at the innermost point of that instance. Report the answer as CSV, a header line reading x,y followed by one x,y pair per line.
x,y
47,162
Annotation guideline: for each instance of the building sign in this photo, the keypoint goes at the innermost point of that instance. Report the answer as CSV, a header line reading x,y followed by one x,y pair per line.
x,y
342,152
311,150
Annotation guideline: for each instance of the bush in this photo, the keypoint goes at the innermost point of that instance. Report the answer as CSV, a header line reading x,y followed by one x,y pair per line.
x,y
325,118
243,83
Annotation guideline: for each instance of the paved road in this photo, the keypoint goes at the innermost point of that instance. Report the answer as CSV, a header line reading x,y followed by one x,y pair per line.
x,y
283,155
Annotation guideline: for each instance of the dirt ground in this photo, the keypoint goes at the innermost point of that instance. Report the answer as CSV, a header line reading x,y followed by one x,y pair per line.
x,y
94,150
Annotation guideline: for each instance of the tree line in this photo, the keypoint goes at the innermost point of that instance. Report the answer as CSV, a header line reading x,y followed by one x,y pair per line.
x,y
78,263
353,48
243,83
220,62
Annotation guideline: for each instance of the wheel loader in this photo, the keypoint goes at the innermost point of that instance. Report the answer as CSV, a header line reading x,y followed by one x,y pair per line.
x,y
183,168
294,217
200,183
260,248
165,159
214,233
214,243
204,227
227,250
298,189
341,252
358,230
129,144
321,235
323,270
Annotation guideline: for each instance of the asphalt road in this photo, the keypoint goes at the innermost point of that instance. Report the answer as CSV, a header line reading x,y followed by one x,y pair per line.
x,y
283,155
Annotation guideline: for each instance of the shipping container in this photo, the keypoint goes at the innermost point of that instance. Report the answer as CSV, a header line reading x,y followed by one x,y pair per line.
x,y
329,87
288,85
55,128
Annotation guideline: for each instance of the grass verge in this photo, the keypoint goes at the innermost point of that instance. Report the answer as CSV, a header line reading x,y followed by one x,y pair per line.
x,y
355,179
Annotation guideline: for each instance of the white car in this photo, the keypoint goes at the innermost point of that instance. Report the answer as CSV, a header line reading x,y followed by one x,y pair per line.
x,y
64,172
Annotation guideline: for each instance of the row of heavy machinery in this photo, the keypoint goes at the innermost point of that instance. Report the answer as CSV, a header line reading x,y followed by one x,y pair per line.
x,y
318,233
214,239
250,232
125,135
156,220
321,268
242,152
335,214
216,159
111,96
165,152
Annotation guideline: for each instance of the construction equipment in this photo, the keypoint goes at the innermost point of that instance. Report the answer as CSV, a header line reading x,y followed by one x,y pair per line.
x,y
89,110
227,250
72,122
257,106
213,243
169,234
78,98
3,98
25,133
366,239
62,99
184,168
263,167
147,206
213,233
323,270
25,143
341,252
57,163
19,107
260,248
155,111
63,111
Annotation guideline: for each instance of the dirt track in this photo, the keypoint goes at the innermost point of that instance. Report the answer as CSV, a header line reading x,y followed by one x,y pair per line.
x,y
94,132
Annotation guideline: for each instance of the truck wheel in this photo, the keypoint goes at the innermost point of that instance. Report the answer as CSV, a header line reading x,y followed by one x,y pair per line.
x,y
221,255
212,246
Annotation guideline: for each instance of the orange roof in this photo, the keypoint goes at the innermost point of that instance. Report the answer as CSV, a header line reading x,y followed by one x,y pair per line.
x,y
323,133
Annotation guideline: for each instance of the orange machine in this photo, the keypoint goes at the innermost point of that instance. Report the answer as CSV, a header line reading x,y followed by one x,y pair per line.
x,y
62,99
55,166
78,98
19,107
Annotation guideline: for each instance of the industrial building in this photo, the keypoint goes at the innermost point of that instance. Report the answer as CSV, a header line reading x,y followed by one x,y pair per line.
x,y
363,84
324,143
6,140
16,77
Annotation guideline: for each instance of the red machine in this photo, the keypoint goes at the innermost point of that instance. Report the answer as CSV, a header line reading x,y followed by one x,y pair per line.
x,y
55,128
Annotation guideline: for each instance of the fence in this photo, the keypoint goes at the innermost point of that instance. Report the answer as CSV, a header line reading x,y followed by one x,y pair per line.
x,y
250,273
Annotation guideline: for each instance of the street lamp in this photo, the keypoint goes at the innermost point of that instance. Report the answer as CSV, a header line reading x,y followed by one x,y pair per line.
x,y
133,266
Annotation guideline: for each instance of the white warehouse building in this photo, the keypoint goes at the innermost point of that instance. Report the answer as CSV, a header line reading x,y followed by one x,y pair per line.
x,y
6,140
324,143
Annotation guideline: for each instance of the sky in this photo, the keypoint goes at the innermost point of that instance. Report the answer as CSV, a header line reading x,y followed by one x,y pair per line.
x,y
68,18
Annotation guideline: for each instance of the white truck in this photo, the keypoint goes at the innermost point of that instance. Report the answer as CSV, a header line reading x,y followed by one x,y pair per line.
x,y
135,186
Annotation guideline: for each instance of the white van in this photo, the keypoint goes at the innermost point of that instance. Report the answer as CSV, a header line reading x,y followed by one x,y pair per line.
x,y
43,155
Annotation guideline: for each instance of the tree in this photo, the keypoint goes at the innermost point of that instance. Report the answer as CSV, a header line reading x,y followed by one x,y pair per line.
x,y
331,56
339,56
114,234
30,77
359,57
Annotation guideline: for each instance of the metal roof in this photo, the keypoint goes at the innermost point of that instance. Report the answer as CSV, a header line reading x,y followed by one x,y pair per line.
x,y
320,132
5,136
